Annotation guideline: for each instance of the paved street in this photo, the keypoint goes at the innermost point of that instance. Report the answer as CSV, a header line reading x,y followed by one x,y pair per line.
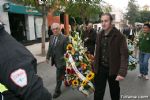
x,y
131,86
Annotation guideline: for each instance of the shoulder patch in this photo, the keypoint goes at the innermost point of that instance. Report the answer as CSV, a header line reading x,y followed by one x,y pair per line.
x,y
19,77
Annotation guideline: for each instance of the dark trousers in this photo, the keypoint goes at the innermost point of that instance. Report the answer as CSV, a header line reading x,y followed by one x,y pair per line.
x,y
100,84
60,72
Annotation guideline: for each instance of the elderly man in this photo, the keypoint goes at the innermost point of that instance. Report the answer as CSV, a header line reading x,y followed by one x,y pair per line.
x,y
111,59
18,78
56,51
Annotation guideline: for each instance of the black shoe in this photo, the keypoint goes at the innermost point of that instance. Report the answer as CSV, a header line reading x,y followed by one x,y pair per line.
x,y
56,94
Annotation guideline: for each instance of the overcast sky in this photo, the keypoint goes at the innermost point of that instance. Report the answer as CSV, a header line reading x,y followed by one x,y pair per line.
x,y
122,4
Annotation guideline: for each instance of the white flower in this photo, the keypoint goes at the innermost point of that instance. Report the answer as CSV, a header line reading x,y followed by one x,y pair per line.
x,y
130,47
81,88
130,63
80,58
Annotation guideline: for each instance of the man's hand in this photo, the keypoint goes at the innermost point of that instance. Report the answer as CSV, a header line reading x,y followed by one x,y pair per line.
x,y
119,78
47,61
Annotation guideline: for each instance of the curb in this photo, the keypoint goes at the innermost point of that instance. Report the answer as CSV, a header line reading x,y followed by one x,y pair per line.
x,y
40,62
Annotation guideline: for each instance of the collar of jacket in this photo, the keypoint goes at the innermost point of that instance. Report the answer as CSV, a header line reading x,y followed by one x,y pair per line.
x,y
113,33
58,37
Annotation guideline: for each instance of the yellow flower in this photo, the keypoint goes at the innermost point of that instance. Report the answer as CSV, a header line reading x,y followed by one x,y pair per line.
x,y
84,82
72,51
90,76
69,47
75,82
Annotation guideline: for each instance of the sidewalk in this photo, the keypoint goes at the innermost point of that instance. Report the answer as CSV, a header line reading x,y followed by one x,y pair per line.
x,y
35,49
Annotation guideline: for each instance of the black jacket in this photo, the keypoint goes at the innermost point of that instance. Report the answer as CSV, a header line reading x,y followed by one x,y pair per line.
x,y
90,42
18,71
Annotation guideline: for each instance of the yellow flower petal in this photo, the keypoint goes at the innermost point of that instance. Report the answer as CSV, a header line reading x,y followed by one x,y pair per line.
x,y
90,76
75,82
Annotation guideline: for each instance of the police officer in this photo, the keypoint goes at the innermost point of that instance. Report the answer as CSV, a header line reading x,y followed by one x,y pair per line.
x,y
18,71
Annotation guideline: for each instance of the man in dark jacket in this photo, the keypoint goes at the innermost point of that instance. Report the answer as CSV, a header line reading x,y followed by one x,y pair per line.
x,y
56,51
126,31
111,59
89,38
18,71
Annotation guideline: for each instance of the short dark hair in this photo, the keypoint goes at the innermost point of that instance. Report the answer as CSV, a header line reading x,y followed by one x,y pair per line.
x,y
148,25
108,14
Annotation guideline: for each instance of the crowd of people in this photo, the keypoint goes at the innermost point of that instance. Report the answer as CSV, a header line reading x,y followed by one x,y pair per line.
x,y
108,46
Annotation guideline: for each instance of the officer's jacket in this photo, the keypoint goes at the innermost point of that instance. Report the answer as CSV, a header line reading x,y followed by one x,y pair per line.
x,y
18,70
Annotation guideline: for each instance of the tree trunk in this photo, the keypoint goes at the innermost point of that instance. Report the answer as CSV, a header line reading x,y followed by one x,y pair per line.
x,y
66,23
43,31
84,22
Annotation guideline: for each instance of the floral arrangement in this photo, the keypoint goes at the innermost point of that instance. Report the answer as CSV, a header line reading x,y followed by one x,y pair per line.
x,y
132,63
79,71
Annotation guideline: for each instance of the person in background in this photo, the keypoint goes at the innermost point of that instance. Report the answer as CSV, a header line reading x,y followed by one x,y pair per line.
x,y
49,32
144,48
89,38
99,29
111,59
126,31
56,50
63,31
18,71
132,33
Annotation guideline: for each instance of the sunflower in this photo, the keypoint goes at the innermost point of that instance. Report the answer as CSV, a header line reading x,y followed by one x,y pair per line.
x,y
84,82
90,76
73,51
75,83
69,47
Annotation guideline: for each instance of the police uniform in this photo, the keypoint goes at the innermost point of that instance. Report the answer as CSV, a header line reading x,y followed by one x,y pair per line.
x,y
18,71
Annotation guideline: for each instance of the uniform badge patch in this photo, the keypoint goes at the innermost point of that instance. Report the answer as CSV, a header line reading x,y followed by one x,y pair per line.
x,y
19,77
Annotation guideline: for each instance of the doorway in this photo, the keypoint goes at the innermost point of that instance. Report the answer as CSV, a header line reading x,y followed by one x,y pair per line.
x,y
17,26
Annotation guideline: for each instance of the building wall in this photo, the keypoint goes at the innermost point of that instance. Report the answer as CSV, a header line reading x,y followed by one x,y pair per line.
x,y
38,26
146,7
51,19
30,27
4,16
118,17
33,23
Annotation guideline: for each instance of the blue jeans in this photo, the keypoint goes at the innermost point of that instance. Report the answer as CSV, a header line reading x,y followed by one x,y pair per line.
x,y
143,61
